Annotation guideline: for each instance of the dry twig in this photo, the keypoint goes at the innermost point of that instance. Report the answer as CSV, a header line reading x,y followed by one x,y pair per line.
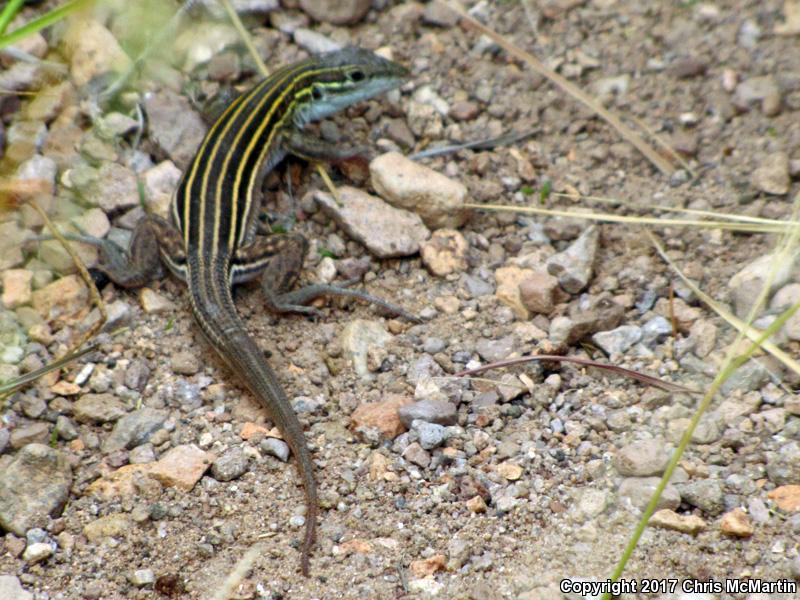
x,y
626,132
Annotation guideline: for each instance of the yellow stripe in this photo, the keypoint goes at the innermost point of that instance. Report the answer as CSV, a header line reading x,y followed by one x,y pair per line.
x,y
198,161
205,158
268,145
224,123
234,200
232,241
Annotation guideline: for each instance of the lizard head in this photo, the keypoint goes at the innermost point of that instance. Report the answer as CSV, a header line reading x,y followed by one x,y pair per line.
x,y
336,80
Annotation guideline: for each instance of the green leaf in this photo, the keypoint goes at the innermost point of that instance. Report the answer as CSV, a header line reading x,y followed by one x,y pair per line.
x,y
47,19
9,12
544,193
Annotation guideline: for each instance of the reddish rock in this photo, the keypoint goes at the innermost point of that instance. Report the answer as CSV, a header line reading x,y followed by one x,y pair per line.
x,y
539,292
428,566
382,416
786,497
181,467
62,298
736,523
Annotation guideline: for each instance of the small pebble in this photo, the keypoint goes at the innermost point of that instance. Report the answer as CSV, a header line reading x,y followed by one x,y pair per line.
x,y
38,552
231,465
185,363
574,266
142,577
275,447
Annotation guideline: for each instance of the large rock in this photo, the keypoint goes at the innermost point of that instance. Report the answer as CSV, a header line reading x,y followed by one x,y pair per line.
x,y
573,267
99,408
16,287
784,298
134,429
61,299
11,588
445,252
174,126
783,466
642,459
362,342
34,487
114,189
400,181
772,175
379,421
509,281
746,285
386,231
92,49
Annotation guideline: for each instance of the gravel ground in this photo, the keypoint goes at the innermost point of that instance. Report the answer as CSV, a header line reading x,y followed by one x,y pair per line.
x,y
144,470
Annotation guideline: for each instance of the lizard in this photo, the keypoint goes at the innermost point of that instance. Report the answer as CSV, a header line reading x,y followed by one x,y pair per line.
x,y
211,240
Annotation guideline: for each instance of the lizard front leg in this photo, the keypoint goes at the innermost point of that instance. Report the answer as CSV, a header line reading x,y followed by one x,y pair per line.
x,y
313,148
152,238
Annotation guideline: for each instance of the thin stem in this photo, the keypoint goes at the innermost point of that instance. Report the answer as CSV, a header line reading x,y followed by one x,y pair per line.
x,y
248,41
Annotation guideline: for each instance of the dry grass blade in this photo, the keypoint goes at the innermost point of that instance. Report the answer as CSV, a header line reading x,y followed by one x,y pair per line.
x,y
636,375
771,227
678,209
23,380
82,270
329,183
238,573
663,145
626,132
484,144
493,382
741,326
248,41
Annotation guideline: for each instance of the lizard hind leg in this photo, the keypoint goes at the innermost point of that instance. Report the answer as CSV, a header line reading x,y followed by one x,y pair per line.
x,y
279,261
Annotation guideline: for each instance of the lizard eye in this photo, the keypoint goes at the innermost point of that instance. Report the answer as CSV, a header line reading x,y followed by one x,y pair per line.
x,y
357,76
316,93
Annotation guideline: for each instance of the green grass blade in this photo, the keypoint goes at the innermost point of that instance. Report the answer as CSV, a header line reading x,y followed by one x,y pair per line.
x,y
9,12
784,248
721,377
47,19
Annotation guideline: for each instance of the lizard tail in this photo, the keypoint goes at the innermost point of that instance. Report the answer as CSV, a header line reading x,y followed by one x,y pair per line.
x,y
216,314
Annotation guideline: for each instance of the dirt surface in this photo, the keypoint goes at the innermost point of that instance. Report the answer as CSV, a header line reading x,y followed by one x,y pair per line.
x,y
396,523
